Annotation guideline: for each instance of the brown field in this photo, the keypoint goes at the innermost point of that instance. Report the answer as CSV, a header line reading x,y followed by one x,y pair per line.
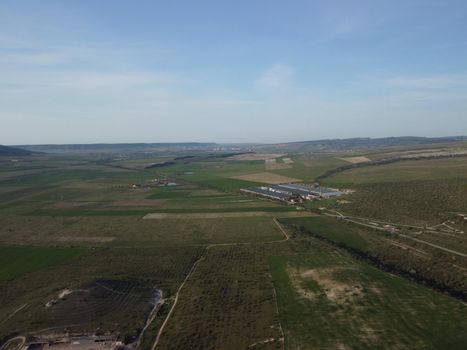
x,y
355,160
265,177
271,164
257,156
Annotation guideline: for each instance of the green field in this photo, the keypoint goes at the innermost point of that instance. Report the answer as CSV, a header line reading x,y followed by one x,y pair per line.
x,y
433,169
329,301
395,252
18,261
236,271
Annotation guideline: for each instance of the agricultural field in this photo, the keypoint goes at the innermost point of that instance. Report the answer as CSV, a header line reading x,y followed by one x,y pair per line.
x,y
410,170
329,301
437,259
91,290
18,261
165,251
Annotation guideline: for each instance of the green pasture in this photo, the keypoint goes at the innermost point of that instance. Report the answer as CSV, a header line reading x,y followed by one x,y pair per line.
x,y
16,261
416,170
329,301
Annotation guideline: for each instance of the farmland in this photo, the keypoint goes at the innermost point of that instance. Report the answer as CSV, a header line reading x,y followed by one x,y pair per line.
x,y
329,300
93,243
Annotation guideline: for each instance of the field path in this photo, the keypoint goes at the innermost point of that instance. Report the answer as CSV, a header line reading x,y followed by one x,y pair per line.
x,y
23,340
14,313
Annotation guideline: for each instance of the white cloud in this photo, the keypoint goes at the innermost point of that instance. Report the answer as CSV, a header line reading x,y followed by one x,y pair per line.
x,y
275,77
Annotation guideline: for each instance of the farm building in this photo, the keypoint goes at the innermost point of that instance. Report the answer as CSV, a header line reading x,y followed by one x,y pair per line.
x,y
292,193
312,192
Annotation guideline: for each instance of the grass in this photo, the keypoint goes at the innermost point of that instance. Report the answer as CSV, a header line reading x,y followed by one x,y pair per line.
x,y
349,235
433,169
132,231
348,304
115,212
136,270
415,202
395,253
227,304
308,168
18,261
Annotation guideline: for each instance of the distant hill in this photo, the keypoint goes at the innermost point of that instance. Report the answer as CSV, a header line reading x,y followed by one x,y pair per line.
x,y
350,144
6,151
358,143
119,147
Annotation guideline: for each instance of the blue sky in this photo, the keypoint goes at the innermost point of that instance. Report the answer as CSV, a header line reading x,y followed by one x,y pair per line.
x,y
231,71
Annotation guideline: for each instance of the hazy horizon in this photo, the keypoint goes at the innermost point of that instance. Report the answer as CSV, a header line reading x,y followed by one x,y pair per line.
x,y
233,143
243,72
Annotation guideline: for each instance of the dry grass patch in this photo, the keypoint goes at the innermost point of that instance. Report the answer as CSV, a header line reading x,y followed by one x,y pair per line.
x,y
355,160
335,289
257,156
271,164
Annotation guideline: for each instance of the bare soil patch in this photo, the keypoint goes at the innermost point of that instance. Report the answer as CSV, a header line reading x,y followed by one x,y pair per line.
x,y
355,160
297,281
266,177
271,164
309,163
257,156
337,291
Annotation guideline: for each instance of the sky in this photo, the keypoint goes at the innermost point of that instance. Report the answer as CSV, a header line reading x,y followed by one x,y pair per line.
x,y
230,71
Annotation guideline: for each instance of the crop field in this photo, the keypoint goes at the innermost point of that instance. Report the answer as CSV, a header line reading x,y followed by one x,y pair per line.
x,y
133,231
437,259
418,202
307,168
94,286
87,243
228,304
329,301
18,261
433,169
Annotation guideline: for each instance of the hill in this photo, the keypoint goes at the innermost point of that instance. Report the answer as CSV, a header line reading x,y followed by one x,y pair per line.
x,y
6,151
119,147
354,144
